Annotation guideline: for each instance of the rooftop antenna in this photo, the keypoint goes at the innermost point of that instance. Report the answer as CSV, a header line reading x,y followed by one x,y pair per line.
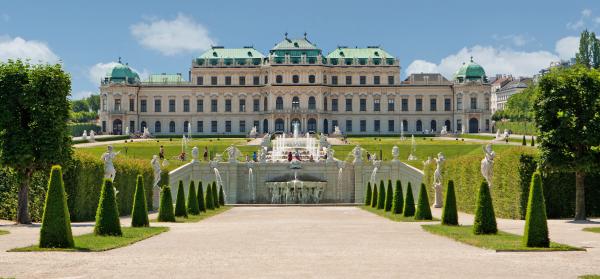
x,y
119,59
286,35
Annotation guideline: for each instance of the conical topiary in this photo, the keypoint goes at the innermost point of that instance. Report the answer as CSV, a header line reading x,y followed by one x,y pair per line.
x,y
210,201
485,219
368,194
524,141
409,202
389,194
423,210
536,224
200,196
165,210
398,203
192,204
215,195
221,196
449,212
180,210
139,213
532,141
374,197
107,215
381,196
56,221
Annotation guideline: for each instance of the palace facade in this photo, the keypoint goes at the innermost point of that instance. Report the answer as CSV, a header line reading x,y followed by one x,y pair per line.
x,y
231,90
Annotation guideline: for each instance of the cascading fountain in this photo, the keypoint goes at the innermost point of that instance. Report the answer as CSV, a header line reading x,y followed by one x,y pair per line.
x,y
307,146
219,181
402,130
413,149
251,184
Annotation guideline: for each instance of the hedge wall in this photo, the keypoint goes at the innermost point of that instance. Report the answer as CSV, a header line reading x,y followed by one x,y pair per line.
x,y
78,128
9,190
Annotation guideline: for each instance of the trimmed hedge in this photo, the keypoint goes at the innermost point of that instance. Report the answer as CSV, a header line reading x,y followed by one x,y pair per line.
x,y
221,196
200,197
374,197
381,196
210,201
165,210
409,202
56,223
215,195
536,225
485,219
423,211
139,214
76,129
389,196
398,204
192,203
180,209
449,212
107,215
368,194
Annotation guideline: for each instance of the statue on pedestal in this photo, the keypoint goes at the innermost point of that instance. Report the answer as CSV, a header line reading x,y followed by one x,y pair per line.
x,y
487,164
92,136
357,152
195,154
156,169
109,168
437,180
395,153
84,135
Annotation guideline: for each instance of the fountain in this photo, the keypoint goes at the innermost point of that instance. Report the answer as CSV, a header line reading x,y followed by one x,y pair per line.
x,y
251,183
253,132
413,149
402,130
219,181
307,147
296,191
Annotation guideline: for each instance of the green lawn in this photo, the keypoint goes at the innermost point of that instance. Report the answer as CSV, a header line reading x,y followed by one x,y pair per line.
x,y
492,138
93,243
589,276
393,217
202,216
4,232
592,229
502,241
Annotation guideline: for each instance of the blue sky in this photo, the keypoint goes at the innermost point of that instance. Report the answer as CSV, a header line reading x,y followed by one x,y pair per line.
x,y
510,37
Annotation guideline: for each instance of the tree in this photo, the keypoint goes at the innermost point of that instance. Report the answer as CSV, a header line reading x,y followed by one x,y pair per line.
x,y
423,210
107,215
210,201
139,213
381,197
589,50
389,196
93,102
33,122
409,202
56,221
215,195
180,210
79,105
200,196
368,194
375,197
566,113
536,225
165,209
398,198
485,219
221,196
192,204
449,212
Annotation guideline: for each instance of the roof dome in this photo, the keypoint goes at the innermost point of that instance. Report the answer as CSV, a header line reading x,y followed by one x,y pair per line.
x,y
469,72
121,73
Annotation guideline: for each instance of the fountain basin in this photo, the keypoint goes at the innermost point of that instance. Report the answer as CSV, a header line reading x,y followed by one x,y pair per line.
x,y
296,191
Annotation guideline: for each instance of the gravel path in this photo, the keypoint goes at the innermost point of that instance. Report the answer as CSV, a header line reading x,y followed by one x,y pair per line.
x,y
301,242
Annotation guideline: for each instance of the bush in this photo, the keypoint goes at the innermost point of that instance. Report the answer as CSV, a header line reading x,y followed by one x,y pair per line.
x,y
532,141
389,196
536,225
56,223
375,196
210,201
398,203
215,195
221,196
107,215
381,197
165,209
139,215
180,210
524,141
368,194
449,212
192,204
423,211
409,202
200,196
485,220
76,129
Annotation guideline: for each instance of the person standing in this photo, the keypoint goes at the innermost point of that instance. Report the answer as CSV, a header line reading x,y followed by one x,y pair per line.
x,y
161,153
205,154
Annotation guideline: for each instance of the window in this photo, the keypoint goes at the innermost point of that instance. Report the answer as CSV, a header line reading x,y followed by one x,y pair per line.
x,y
362,103
405,125
266,79
156,105
243,105
279,103
487,124
348,125
390,80
458,125
242,126
117,104
242,80
157,127
312,103
447,104
265,104
279,125
486,104
433,126
213,126
104,104
199,105
186,105
256,123
228,126
419,104
227,80
390,125
227,105
311,79
473,103
143,125
377,105
213,80
363,125
363,80
325,79
404,104
433,105
278,79
334,80
334,123
376,80
256,105
325,103
131,126
143,105
172,127
200,126
419,126
311,125
256,80
295,79
295,102
348,104
172,105
377,125
131,105
334,104
185,126
200,80
348,79
213,105
459,104
391,104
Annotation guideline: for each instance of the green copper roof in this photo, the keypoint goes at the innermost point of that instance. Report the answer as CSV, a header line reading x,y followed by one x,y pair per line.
x,y
294,44
470,71
166,78
231,53
369,52
121,73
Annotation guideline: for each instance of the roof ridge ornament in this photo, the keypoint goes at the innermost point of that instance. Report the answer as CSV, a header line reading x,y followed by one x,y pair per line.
x,y
119,59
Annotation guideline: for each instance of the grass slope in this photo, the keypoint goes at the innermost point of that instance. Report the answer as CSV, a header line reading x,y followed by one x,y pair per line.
x,y
592,229
202,216
392,216
4,232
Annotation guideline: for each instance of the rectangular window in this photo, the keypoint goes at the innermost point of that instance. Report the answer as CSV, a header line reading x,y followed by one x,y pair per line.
x,y
256,104
363,104
404,104
348,104
157,106
473,103
377,125
334,104
213,80
419,105
117,104
213,105
255,124
376,80
266,79
459,104
186,105
242,81
348,80
433,105
228,126
391,105
363,80
377,105
172,105
256,80
228,105
348,125
213,126
103,126
242,105
390,80
458,125
132,126
143,105
334,80
363,125
200,126
334,123
447,104
199,105
390,125
200,80
131,105
242,126
227,80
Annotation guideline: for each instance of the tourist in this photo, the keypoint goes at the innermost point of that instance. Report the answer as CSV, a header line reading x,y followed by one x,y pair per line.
x,y
368,156
247,158
205,153
298,155
290,156
161,152
254,156
311,158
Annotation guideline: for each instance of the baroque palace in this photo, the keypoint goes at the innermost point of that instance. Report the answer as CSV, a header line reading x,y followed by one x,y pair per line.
x,y
359,90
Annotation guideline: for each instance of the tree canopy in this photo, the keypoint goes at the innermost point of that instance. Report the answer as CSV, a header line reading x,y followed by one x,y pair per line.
x,y
589,50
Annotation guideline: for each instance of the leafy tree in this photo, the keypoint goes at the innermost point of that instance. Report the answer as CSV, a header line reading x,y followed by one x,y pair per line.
x,y
221,196
180,210
409,202
449,212
536,225
485,219
423,210
93,102
215,195
33,122
368,194
165,209
107,215
398,198
139,214
381,197
210,200
80,105
192,204
567,114
375,197
200,196
56,222
589,50
389,196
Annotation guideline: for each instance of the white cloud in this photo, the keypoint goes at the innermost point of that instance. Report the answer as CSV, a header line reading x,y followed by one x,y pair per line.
x,y
421,66
583,21
586,13
97,72
81,94
35,51
171,37
515,39
567,47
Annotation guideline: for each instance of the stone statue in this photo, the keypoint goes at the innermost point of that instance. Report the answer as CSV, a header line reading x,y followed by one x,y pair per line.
x,y
323,141
330,153
195,154
109,168
444,131
232,153
395,153
336,131
156,168
127,130
437,180
84,135
487,164
265,141
357,152
146,133
262,155
506,134
92,136
428,161
253,132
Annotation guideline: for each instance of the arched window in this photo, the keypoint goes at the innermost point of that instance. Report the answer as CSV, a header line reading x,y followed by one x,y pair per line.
x,y
419,126
143,125
172,127
157,127
325,126
405,125
185,126
295,79
433,126
312,125
265,126
312,103
295,102
311,79
279,125
279,103
448,125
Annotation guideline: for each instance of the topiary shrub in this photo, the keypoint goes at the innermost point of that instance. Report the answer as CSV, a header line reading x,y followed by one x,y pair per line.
x,y
139,214
524,141
532,141
200,196
180,210
381,196
485,219
374,197
398,203
368,194
107,215
409,202
449,212
215,195
389,194
56,221
423,210
165,210
210,201
192,204
536,225
221,196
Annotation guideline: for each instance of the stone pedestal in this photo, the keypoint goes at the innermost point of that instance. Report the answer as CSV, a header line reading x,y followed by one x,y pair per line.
x,y
438,195
155,198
